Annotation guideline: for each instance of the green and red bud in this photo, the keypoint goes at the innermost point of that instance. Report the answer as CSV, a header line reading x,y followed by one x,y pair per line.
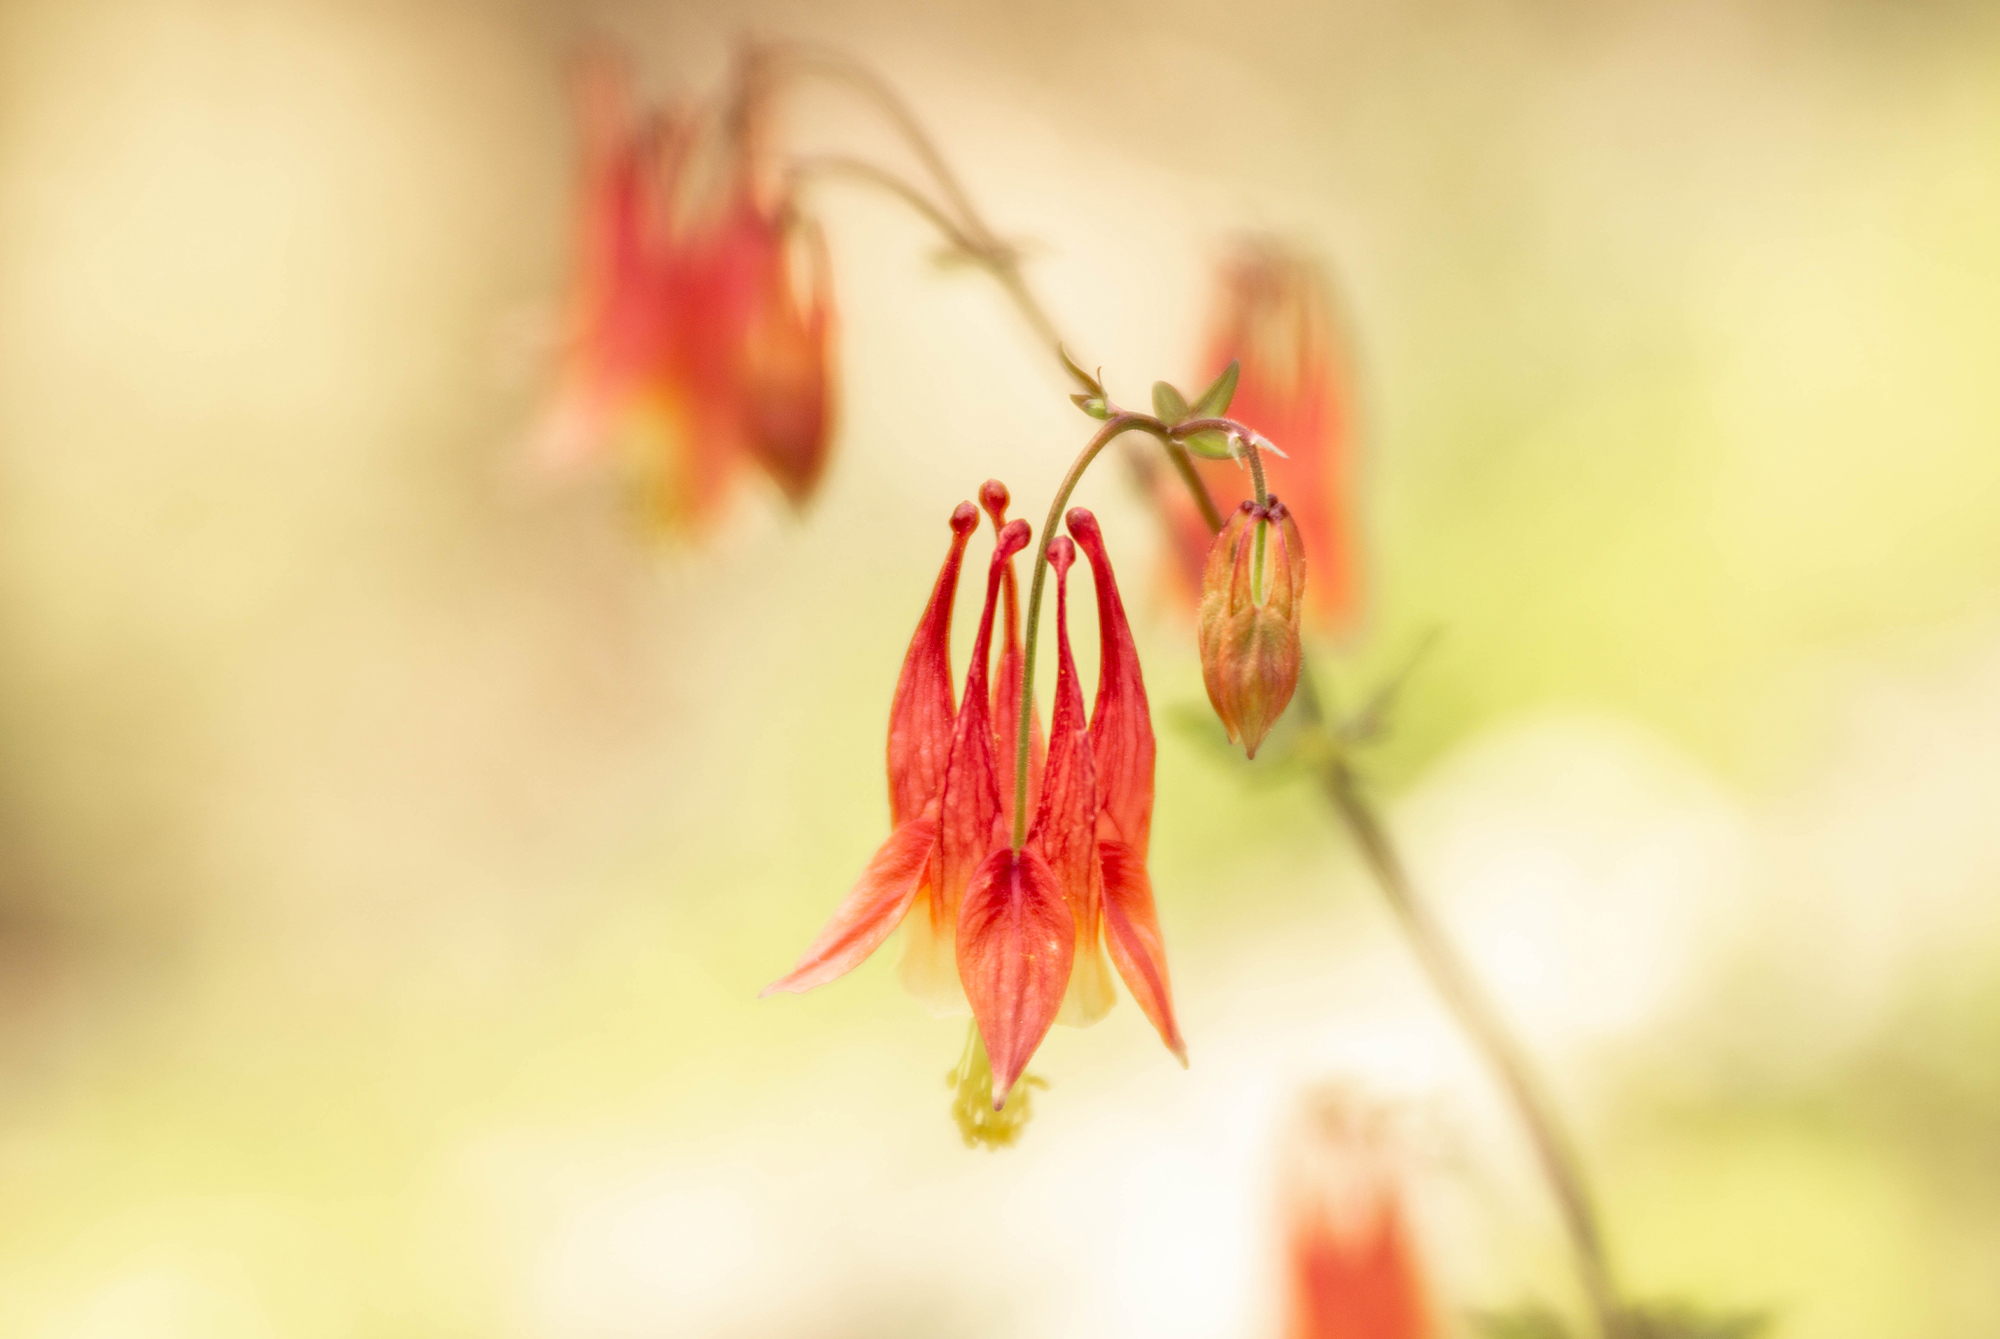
x,y
1251,595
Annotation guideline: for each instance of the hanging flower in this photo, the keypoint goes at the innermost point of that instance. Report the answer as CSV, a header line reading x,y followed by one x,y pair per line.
x,y
1350,1260
1274,316
692,349
1019,933
1249,631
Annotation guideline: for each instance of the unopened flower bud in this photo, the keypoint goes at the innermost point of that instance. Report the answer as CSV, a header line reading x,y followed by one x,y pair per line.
x,y
1249,633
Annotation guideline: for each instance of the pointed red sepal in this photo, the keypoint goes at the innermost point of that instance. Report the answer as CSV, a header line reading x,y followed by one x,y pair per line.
x,y
1132,932
969,821
1007,677
921,715
872,909
1121,724
785,364
1016,943
1065,827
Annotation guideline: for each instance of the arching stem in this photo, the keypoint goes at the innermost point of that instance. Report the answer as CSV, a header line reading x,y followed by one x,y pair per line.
x,y
1116,424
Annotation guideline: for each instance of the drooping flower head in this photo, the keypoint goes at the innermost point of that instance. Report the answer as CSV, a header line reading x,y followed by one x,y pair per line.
x,y
1018,933
1350,1261
1274,316
1251,592
692,347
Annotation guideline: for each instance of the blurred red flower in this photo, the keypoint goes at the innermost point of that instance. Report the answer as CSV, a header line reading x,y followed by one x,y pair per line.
x,y
690,346
1350,1263
1274,314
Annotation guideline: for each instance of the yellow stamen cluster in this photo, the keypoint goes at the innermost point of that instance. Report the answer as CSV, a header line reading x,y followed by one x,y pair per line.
x,y
971,1083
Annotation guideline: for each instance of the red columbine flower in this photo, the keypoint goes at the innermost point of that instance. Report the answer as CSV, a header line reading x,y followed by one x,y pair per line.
x,y
1351,1268
1274,316
692,349
1249,631
1011,925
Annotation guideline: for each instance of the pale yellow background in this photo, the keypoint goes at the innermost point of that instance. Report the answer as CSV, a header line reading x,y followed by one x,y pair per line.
x,y
392,842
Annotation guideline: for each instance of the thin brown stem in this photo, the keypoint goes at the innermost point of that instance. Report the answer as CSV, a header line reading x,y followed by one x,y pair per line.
x,y
807,167
960,220
1510,1064
831,63
1191,478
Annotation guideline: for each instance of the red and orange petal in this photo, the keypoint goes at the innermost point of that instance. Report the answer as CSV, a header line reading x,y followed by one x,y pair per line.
x,y
923,710
872,910
1065,826
1132,933
789,382
1007,677
1121,724
1356,1284
969,816
1016,944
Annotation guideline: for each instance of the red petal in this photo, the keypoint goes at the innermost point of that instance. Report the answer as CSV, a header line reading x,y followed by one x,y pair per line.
x,y
1121,724
920,717
871,911
1216,609
1355,1278
1007,678
1065,827
1016,941
785,373
969,821
1288,562
1065,830
1132,932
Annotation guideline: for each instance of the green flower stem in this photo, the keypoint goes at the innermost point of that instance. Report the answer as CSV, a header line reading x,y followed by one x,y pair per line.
x,y
1120,422
1263,500
1191,479
1113,427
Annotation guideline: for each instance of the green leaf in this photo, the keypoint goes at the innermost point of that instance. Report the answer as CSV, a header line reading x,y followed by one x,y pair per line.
x,y
1168,403
1092,405
1210,445
1214,401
